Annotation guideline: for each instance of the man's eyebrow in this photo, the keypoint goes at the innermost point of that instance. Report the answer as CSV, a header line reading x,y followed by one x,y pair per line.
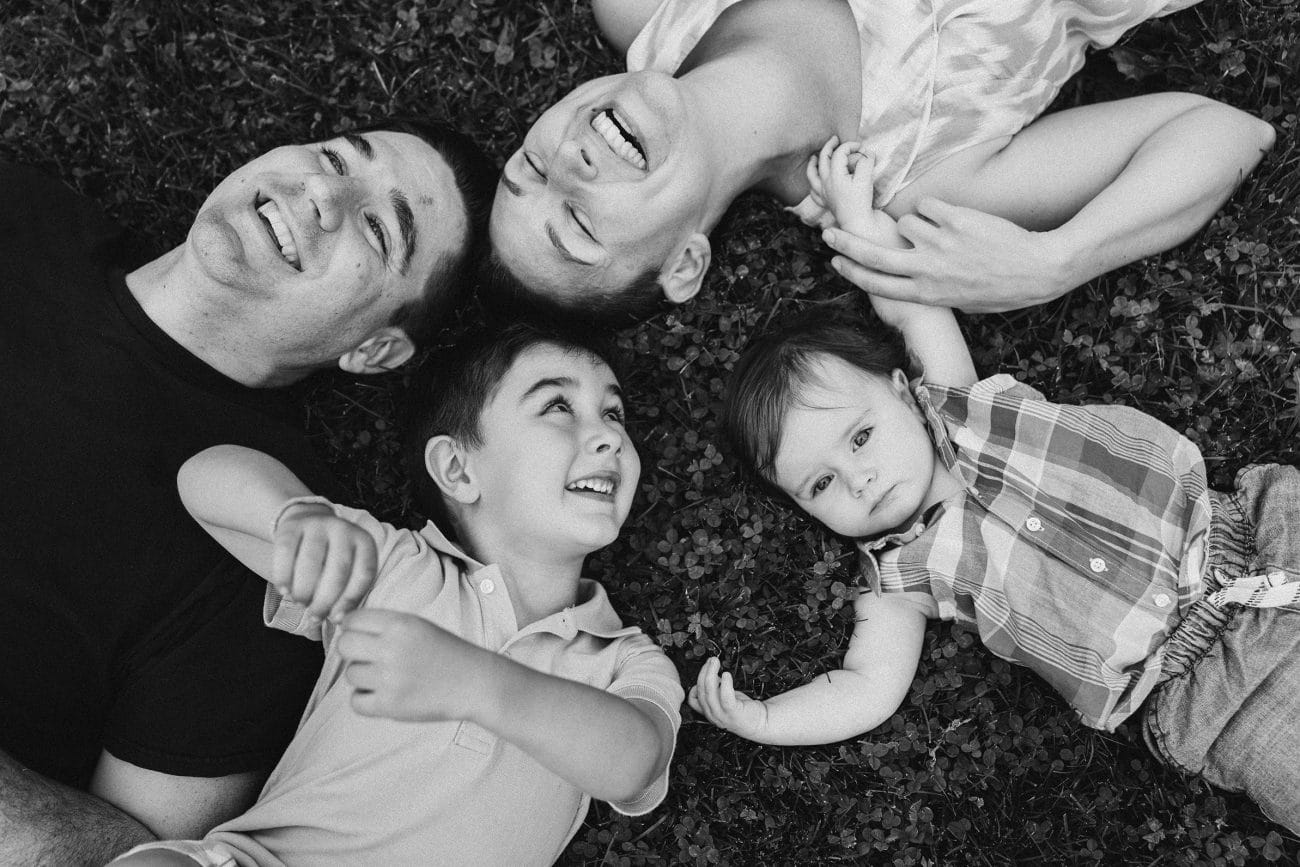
x,y
406,226
549,382
360,144
559,245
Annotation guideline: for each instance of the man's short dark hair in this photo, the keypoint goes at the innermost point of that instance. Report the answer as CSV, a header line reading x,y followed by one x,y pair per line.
x,y
475,177
775,367
448,393
505,296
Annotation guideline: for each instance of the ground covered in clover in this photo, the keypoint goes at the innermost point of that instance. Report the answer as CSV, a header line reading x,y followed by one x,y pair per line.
x,y
144,106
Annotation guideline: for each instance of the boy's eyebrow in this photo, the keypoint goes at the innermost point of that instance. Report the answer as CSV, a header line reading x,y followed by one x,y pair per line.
x,y
549,382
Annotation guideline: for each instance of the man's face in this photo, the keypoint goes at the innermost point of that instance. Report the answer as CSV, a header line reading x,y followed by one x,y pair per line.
x,y
319,245
607,183
556,469
855,453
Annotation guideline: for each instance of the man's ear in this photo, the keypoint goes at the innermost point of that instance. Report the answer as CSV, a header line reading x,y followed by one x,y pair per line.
x,y
448,464
387,349
683,274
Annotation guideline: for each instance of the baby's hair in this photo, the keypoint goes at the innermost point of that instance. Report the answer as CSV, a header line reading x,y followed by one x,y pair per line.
x,y
448,393
776,367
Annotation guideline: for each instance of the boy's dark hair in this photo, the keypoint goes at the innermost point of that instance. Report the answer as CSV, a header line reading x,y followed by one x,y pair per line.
x,y
447,394
776,366
476,179
505,297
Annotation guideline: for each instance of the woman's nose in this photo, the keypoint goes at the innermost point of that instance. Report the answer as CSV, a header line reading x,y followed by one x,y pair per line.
x,y
573,157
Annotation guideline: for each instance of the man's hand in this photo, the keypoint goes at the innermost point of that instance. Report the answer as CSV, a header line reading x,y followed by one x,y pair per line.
x,y
403,667
961,258
321,561
714,696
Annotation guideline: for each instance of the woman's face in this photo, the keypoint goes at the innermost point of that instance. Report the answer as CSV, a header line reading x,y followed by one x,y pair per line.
x,y
608,183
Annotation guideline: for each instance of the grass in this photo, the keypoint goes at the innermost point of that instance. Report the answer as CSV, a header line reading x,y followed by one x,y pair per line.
x,y
143,106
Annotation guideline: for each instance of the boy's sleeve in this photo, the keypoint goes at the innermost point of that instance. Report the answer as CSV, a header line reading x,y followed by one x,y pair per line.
x,y
645,673
393,545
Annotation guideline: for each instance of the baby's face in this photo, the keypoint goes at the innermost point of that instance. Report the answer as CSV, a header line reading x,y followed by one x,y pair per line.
x,y
855,453
556,470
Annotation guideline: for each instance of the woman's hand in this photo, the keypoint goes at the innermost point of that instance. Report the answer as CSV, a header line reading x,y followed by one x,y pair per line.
x,y
960,258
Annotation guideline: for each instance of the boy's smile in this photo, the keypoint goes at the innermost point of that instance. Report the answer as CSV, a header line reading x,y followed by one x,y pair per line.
x,y
556,471
855,453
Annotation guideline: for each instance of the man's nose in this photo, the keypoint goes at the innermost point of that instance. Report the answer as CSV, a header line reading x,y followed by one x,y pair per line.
x,y
574,158
330,197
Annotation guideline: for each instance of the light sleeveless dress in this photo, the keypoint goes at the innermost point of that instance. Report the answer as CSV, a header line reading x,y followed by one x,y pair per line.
x,y
938,76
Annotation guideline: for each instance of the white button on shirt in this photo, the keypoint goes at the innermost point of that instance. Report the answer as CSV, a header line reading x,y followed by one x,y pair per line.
x,y
487,585
1097,564
1162,600
1033,524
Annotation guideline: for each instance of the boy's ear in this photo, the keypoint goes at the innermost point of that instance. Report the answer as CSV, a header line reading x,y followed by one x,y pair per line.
x,y
387,349
447,464
683,273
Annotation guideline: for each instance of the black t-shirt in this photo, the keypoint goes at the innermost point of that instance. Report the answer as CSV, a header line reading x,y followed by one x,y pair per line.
x,y
123,626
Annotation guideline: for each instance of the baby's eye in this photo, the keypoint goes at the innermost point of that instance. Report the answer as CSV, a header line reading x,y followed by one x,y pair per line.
x,y
860,438
335,161
820,485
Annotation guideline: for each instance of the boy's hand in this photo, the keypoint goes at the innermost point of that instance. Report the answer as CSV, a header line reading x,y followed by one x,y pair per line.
x,y
714,696
403,667
845,174
321,561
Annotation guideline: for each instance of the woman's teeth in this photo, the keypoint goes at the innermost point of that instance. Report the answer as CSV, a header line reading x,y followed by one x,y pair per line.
x,y
271,213
621,142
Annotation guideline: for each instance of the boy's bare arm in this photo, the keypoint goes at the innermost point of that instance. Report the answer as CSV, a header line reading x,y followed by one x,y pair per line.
x,y
404,667
877,671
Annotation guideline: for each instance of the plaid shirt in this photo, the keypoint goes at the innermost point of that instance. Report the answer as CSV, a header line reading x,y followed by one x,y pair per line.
x,y
1076,547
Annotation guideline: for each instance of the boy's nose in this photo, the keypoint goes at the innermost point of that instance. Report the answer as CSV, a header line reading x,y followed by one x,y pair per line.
x,y
606,439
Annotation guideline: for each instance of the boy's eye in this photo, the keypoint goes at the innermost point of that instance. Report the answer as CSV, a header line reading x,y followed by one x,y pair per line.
x,y
557,404
860,438
616,413
820,485
335,161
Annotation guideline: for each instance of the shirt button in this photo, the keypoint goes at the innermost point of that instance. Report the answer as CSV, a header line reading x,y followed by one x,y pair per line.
x,y
1097,564
1162,600
487,585
1033,524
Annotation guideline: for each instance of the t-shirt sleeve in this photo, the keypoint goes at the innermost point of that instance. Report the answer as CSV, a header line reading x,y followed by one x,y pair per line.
x,y
394,546
646,674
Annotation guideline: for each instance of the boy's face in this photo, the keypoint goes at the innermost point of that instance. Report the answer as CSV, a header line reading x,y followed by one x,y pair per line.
x,y
855,453
556,467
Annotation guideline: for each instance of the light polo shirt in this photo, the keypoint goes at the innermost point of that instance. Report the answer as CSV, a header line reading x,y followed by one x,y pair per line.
x,y
1076,547
353,789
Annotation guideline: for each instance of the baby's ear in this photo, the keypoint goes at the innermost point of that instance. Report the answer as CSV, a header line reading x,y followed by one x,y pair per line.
x,y
447,463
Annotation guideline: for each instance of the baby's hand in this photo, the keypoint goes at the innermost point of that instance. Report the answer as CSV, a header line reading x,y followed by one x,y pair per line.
x,y
845,175
321,561
714,696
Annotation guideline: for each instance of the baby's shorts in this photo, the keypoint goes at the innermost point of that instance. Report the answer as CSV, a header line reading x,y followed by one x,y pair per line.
x,y
1230,698
204,852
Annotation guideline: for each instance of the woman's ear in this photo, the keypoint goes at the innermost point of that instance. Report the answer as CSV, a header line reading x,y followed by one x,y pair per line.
x,y
387,349
448,464
683,274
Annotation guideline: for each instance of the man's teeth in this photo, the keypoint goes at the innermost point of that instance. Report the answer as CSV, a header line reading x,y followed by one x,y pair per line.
x,y
620,142
599,486
271,213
